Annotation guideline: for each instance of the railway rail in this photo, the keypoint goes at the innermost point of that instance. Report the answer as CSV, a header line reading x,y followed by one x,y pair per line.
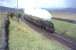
x,y
66,20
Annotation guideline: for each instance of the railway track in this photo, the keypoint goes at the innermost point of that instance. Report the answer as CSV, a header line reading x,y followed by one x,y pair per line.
x,y
64,40
66,20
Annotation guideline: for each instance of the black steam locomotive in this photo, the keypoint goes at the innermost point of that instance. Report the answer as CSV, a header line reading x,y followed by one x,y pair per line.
x,y
43,24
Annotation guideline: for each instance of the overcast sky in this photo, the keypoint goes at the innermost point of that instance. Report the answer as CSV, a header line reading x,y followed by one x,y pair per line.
x,y
39,3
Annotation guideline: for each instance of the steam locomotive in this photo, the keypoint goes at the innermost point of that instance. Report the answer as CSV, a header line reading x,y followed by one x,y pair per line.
x,y
45,24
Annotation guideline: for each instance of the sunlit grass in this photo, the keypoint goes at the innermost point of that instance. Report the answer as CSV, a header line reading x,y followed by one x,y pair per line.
x,y
22,37
65,28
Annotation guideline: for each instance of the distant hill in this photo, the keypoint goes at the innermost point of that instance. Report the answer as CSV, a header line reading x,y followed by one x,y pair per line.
x,y
70,10
67,13
8,10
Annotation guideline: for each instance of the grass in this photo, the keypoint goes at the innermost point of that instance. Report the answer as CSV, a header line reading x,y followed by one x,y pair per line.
x,y
22,37
65,28
1,35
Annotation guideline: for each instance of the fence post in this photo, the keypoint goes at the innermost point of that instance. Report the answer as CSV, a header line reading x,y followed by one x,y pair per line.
x,y
6,23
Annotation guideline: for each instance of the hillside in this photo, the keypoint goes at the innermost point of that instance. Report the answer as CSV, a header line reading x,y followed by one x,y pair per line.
x,y
69,13
8,10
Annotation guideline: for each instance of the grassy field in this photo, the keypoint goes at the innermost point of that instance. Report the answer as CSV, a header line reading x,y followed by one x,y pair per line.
x,y
65,28
22,37
64,15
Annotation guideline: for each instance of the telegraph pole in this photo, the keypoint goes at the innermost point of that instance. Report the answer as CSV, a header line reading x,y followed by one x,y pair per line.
x,y
17,4
17,11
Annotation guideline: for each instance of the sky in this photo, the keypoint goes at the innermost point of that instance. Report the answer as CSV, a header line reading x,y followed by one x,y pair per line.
x,y
39,3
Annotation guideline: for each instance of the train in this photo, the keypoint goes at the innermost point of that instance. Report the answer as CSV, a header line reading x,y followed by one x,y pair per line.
x,y
43,22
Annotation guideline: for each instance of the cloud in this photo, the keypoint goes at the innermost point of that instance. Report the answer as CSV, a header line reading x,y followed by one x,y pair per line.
x,y
42,3
8,3
39,3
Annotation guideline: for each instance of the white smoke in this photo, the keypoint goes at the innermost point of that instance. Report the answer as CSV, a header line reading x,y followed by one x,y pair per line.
x,y
41,13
